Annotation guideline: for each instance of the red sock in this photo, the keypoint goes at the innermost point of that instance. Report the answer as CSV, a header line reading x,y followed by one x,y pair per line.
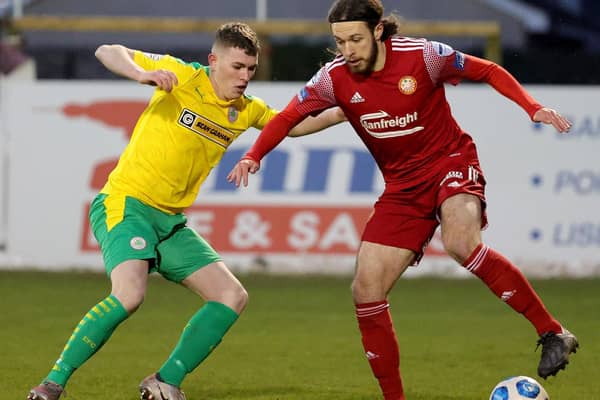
x,y
508,283
381,347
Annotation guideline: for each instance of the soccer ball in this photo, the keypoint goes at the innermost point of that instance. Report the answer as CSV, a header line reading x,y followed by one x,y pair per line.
x,y
519,388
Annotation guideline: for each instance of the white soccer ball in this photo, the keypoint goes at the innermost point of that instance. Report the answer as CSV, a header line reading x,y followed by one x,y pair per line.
x,y
519,388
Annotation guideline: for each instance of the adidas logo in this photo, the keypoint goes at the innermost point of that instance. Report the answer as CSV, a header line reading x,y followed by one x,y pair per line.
x,y
508,294
371,356
356,98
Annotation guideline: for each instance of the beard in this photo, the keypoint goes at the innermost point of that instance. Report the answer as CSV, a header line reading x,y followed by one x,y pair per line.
x,y
370,62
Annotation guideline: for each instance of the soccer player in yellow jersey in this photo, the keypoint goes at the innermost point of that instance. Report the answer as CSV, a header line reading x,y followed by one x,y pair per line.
x,y
194,115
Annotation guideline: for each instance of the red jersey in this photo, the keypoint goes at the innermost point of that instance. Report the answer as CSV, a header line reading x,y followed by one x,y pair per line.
x,y
400,112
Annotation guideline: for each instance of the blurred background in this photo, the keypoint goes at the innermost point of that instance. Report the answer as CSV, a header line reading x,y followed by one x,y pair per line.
x,y
536,39
64,120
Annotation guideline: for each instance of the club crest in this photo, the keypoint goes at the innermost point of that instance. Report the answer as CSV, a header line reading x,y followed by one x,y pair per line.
x,y
407,85
232,114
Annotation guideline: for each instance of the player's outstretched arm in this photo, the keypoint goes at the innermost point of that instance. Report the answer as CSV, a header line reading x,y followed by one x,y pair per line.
x,y
327,118
119,60
272,134
552,117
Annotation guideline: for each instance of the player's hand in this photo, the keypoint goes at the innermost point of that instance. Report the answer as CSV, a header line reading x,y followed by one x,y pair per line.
x,y
160,78
552,117
240,171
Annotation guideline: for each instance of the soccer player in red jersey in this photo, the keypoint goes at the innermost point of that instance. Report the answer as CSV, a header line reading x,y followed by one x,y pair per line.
x,y
391,89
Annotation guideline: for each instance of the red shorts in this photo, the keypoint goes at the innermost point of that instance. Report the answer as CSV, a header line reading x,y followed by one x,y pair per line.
x,y
407,218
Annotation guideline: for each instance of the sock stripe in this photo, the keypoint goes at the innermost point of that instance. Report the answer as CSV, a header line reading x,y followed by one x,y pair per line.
x,y
111,301
478,259
370,311
97,311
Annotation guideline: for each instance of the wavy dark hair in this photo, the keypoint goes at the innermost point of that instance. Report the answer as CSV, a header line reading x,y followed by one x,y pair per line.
x,y
369,11
240,35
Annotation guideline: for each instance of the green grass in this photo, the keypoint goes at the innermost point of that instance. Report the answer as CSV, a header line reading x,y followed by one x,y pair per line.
x,y
298,339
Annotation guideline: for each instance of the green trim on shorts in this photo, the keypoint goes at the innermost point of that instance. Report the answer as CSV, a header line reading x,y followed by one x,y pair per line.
x,y
128,229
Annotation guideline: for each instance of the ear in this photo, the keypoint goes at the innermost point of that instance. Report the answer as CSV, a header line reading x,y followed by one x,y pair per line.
x,y
212,60
378,31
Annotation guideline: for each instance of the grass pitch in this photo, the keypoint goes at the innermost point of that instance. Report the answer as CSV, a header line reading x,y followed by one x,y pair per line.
x,y
298,339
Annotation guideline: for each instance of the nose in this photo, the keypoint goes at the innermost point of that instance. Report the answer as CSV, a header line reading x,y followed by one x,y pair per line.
x,y
348,49
245,74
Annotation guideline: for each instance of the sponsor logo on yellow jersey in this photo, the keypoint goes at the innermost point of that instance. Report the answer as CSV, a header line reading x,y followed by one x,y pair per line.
x,y
206,128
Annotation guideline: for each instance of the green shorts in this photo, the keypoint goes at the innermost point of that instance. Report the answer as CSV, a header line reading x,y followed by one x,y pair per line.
x,y
128,229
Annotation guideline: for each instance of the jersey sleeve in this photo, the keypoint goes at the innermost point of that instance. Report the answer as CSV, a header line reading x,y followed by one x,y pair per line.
x,y
445,64
261,113
317,95
438,56
151,62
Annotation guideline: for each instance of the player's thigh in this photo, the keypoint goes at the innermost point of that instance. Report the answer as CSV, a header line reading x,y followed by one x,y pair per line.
x,y
462,213
129,280
461,217
461,204
378,267
183,253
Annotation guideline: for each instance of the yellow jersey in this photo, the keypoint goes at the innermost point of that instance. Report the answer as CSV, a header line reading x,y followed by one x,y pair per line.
x,y
181,136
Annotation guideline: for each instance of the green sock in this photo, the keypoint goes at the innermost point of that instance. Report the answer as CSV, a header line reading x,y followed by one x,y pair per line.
x,y
90,334
201,335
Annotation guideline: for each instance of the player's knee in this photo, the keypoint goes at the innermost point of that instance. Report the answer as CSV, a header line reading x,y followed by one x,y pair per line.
x,y
356,289
459,247
241,298
131,300
365,292
235,298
